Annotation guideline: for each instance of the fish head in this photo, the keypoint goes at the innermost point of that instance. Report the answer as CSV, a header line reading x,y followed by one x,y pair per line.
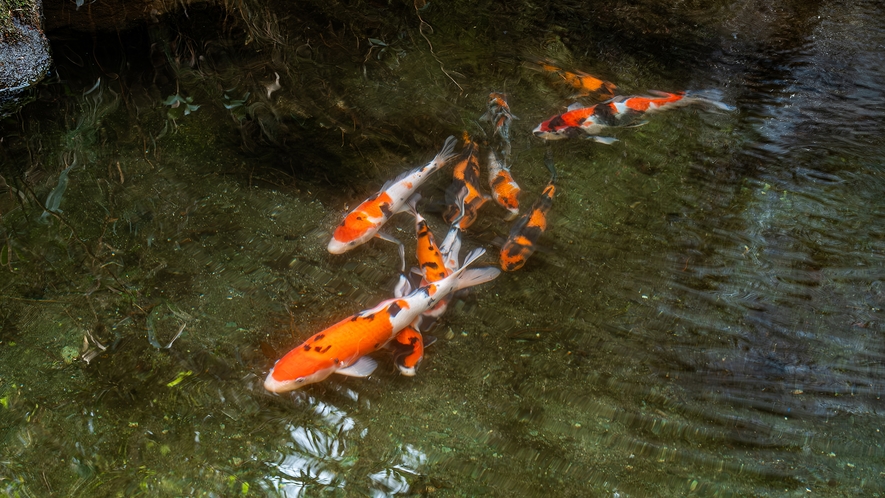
x,y
295,371
408,351
549,131
357,227
361,224
516,252
338,247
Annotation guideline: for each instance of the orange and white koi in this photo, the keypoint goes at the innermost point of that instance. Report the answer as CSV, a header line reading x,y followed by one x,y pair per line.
x,y
619,111
363,223
342,348
524,234
505,191
464,197
584,83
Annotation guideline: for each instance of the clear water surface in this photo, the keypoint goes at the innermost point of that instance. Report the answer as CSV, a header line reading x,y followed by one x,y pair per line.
x,y
704,317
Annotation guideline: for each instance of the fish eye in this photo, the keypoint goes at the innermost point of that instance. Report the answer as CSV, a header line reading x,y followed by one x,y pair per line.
x,y
299,380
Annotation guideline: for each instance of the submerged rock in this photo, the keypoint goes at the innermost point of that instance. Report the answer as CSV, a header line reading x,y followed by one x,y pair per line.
x,y
24,60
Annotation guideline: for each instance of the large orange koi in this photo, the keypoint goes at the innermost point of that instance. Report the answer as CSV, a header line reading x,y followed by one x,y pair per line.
x,y
342,348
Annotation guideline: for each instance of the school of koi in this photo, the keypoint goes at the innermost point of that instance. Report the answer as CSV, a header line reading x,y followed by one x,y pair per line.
x,y
400,323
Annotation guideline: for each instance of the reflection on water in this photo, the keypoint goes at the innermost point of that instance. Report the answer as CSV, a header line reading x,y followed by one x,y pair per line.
x,y
316,452
704,317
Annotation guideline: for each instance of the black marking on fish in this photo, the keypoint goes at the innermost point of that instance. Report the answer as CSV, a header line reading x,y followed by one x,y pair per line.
x,y
385,208
394,309
326,348
605,115
555,123
307,347
318,337
499,179
532,233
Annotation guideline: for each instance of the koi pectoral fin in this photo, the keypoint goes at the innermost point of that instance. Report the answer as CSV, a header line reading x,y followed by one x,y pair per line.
x,y
602,140
362,367
402,248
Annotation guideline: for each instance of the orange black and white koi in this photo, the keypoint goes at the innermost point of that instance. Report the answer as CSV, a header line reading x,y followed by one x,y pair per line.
x,y
409,344
505,191
342,348
363,223
499,115
584,83
524,234
619,111
432,266
464,197
408,350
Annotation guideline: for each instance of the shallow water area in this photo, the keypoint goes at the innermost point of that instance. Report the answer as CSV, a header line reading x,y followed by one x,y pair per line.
x,y
703,316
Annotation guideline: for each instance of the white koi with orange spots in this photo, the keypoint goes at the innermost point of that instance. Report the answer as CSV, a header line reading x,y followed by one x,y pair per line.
x,y
363,223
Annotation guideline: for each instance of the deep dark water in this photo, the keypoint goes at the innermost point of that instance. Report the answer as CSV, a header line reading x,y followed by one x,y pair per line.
x,y
704,317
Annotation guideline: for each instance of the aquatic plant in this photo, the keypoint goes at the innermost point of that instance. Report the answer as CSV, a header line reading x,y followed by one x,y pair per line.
x,y
176,110
236,106
53,200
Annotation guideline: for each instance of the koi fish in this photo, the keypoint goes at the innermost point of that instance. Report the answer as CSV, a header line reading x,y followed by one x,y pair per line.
x,y
463,197
408,350
584,83
342,348
408,345
499,115
524,234
619,111
432,266
505,191
451,247
363,223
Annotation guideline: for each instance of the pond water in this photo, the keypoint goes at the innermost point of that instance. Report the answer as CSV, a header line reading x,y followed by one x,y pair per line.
x,y
704,315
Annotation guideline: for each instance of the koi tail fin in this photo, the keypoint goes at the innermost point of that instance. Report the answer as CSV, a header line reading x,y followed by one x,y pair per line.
x,y
712,98
451,248
465,278
447,152
548,161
